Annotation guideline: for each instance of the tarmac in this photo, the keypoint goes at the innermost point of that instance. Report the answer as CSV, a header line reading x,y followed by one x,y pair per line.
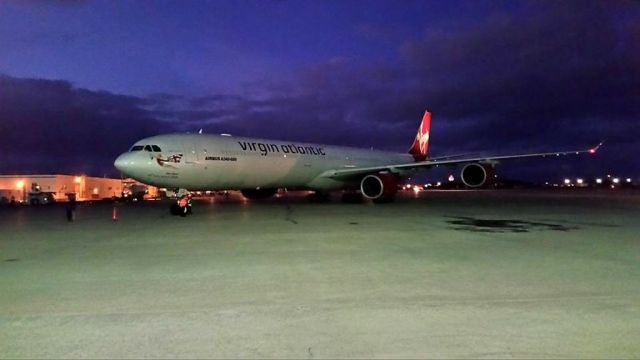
x,y
439,274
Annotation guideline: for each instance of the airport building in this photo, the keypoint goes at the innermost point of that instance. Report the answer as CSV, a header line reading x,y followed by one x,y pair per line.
x,y
38,188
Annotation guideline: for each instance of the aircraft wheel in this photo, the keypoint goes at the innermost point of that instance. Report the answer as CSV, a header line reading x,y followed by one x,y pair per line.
x,y
384,200
352,197
320,197
175,209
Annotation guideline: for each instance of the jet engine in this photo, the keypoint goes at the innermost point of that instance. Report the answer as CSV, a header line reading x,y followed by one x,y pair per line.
x,y
379,186
258,194
476,175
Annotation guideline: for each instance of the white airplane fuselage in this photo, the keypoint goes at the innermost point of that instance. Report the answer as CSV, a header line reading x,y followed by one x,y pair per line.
x,y
259,166
212,162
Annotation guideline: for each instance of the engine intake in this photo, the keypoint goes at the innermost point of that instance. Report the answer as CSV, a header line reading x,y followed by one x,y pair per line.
x,y
379,186
475,175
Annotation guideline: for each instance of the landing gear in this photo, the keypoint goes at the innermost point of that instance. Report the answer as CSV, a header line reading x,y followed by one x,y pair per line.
x,y
176,210
183,206
384,200
352,197
319,196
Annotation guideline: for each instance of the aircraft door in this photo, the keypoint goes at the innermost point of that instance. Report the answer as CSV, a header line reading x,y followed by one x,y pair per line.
x,y
190,153
193,169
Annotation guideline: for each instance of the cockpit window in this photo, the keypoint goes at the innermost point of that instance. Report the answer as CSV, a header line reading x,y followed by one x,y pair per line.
x,y
147,148
156,148
137,148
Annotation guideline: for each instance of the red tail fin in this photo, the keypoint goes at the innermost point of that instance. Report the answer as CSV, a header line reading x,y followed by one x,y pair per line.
x,y
420,147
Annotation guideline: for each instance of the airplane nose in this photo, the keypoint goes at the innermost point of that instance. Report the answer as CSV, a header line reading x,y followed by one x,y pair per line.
x,y
123,163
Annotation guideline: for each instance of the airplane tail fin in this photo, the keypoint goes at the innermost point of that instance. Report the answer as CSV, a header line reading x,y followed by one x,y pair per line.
x,y
420,147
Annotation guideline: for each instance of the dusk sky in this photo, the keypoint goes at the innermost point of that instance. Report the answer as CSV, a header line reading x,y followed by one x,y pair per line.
x,y
80,81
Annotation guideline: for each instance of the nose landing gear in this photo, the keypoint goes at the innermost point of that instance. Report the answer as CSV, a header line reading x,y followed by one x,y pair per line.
x,y
183,206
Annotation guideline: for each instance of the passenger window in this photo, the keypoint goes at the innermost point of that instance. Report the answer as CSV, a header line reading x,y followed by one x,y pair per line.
x,y
156,148
137,148
147,148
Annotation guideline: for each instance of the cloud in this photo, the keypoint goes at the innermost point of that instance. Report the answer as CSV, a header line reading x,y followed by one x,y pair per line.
x,y
51,126
547,75
550,65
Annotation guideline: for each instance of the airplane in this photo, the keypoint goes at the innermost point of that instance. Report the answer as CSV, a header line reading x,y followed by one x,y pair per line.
x,y
259,167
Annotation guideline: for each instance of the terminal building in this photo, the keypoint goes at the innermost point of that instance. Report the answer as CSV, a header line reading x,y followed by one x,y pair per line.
x,y
40,188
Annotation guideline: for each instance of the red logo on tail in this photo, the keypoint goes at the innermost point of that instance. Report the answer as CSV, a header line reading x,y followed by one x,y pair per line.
x,y
420,147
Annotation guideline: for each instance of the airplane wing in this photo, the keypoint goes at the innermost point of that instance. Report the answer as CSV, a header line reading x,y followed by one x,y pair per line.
x,y
447,160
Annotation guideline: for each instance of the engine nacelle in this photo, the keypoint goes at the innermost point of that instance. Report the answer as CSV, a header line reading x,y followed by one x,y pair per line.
x,y
258,194
379,186
476,175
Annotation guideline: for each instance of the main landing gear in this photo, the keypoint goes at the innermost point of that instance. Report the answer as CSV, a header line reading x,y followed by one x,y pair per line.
x,y
352,197
319,197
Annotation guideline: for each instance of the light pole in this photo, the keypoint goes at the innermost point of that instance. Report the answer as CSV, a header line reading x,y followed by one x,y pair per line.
x,y
78,187
20,186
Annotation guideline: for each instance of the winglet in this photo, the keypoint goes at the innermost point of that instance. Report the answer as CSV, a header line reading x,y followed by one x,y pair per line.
x,y
420,147
594,149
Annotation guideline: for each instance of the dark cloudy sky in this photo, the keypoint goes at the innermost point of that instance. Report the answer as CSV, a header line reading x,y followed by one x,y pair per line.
x,y
80,81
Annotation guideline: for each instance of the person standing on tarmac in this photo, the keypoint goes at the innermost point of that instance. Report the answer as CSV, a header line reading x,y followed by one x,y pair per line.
x,y
71,208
